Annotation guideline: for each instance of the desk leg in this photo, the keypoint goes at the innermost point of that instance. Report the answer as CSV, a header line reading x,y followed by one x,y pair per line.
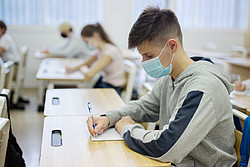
x,y
40,96
50,86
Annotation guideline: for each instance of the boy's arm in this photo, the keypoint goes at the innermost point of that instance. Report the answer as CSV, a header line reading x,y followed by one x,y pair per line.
x,y
146,109
192,121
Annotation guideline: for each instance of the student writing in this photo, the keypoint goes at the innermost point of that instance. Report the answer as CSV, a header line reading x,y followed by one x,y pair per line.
x,y
190,100
108,59
73,47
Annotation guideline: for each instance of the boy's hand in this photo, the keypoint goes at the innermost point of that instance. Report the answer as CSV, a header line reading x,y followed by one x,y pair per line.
x,y
101,124
239,86
124,121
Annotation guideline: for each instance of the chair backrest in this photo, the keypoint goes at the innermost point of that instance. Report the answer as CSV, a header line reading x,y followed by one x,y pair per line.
x,y
238,136
4,136
22,63
146,87
239,51
18,81
6,75
130,69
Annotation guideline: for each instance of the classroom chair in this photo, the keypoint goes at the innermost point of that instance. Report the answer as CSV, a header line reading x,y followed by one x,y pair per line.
x,y
242,140
6,76
17,85
130,69
239,51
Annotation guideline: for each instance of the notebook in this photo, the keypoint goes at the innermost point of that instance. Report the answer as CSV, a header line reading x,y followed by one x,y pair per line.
x,y
108,135
245,93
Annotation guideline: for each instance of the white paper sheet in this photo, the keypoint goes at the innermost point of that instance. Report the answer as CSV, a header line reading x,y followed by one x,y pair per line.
x,y
108,135
245,93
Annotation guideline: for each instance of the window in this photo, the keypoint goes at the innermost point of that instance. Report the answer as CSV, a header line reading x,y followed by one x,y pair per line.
x,y
140,5
50,12
212,14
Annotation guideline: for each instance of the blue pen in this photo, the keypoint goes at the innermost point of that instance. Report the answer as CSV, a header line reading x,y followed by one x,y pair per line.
x,y
90,111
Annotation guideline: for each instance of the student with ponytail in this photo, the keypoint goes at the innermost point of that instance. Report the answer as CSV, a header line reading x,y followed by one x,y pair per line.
x,y
108,59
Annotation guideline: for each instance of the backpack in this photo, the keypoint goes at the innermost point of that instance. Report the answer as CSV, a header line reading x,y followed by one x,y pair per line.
x,y
14,153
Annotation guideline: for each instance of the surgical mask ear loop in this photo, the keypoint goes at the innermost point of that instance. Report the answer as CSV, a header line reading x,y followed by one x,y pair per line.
x,y
162,50
172,59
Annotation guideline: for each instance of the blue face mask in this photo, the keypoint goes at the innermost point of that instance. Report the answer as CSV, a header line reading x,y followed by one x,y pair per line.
x,y
153,67
90,47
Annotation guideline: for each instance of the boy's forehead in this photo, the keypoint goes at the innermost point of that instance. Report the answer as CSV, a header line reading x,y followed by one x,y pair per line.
x,y
146,47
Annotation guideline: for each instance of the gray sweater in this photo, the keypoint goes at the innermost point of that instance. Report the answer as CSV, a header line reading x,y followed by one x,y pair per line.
x,y
195,119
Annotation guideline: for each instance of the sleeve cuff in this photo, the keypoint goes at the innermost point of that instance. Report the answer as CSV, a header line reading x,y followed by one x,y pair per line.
x,y
130,127
113,117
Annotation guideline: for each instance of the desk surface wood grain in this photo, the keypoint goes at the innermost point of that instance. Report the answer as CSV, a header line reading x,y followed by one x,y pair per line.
x,y
74,101
241,102
78,150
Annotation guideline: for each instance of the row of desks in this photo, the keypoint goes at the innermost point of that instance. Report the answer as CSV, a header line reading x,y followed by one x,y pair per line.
x,y
237,65
69,116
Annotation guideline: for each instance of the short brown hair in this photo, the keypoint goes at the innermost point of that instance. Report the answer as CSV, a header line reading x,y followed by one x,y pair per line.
x,y
3,25
154,25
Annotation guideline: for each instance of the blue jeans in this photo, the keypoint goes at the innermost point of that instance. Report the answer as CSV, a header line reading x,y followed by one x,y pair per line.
x,y
100,84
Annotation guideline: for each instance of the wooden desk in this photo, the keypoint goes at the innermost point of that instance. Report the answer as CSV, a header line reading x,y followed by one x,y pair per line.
x,y
209,54
74,101
241,102
236,65
240,66
52,71
77,149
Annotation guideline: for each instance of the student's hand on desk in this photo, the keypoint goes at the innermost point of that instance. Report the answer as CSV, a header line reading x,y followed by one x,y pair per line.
x,y
85,71
101,124
124,121
239,86
70,69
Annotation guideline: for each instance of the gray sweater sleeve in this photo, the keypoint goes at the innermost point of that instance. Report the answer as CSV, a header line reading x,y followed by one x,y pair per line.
x,y
194,117
146,109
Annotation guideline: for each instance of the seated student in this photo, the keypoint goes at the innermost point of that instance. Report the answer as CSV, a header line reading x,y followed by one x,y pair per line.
x,y
74,47
9,51
190,100
242,86
108,59
8,47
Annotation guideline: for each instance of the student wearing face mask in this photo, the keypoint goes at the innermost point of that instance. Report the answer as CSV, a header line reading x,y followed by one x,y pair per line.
x,y
108,59
190,100
74,47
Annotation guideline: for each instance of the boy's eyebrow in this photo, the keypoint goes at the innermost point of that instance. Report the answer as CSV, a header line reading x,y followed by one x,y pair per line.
x,y
147,54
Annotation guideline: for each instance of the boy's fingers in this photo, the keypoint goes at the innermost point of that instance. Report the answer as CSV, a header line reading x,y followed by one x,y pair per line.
x,y
90,126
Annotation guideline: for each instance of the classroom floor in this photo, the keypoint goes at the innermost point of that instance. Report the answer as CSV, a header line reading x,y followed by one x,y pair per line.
x,y
27,126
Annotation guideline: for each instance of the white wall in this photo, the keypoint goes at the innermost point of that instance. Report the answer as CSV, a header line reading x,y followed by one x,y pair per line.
x,y
117,22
